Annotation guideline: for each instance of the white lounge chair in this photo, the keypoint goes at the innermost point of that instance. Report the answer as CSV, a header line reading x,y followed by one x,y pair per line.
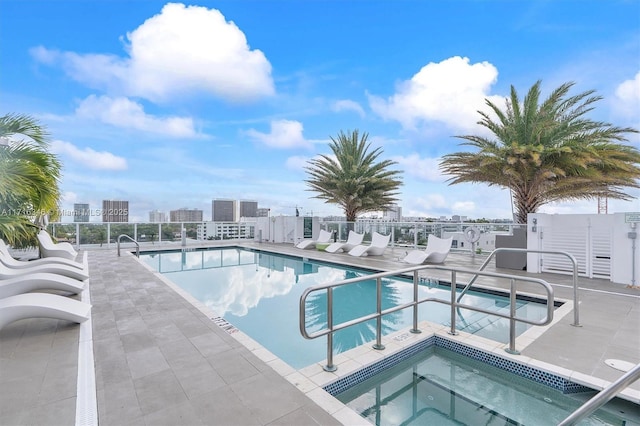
x,y
7,271
436,252
39,281
10,261
353,240
42,305
377,247
50,249
323,238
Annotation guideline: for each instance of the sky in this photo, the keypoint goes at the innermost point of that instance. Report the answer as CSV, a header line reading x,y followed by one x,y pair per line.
x,y
172,105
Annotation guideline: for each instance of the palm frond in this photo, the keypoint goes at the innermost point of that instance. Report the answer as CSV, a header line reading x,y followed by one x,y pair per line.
x,y
355,179
547,151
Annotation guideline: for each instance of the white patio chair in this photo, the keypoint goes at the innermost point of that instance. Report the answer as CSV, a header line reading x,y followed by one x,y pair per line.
x,y
50,249
10,261
353,240
42,305
39,281
7,271
323,238
377,247
436,252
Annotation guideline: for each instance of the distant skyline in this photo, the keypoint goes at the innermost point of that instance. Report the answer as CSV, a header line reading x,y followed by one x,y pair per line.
x,y
171,105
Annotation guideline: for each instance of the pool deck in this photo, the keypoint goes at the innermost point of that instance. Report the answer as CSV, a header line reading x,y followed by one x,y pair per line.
x,y
160,359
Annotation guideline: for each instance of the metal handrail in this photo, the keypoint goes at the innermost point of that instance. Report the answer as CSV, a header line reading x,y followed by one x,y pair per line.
x,y
130,239
331,328
576,305
602,397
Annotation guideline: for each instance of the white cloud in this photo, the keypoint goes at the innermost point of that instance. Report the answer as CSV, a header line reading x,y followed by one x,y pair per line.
x,y
348,105
431,202
183,50
122,112
450,92
283,134
88,157
423,168
297,163
463,206
628,97
69,197
44,55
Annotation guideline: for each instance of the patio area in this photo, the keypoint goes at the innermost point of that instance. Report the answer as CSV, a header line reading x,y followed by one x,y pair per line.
x,y
160,359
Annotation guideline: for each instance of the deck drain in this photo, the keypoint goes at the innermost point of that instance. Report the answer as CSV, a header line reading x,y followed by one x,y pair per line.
x,y
224,324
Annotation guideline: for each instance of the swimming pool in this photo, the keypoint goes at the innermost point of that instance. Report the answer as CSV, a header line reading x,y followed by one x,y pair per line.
x,y
438,385
258,292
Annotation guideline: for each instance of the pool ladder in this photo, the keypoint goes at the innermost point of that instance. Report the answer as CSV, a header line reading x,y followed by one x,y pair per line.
x,y
120,237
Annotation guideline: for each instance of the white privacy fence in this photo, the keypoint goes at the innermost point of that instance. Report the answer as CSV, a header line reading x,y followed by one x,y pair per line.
x,y
603,244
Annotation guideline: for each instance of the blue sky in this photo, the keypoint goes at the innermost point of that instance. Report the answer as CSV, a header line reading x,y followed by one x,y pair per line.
x,y
171,105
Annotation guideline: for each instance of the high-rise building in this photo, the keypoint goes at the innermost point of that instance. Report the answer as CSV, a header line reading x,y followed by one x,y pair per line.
x,y
393,213
262,212
223,210
115,211
225,231
80,212
156,216
185,215
248,208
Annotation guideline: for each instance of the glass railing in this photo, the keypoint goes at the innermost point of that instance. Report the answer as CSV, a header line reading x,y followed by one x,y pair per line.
x,y
403,234
89,234
415,234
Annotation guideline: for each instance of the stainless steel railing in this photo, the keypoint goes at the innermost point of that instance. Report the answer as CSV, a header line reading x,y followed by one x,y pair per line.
x,y
120,237
576,305
332,328
602,397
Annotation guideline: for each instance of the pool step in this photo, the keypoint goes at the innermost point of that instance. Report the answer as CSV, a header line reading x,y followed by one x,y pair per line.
x,y
467,411
445,388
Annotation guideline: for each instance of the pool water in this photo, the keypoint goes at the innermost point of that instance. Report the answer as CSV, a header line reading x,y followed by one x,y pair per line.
x,y
441,387
259,292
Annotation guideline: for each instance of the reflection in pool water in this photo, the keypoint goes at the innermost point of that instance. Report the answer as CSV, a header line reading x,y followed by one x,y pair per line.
x,y
259,293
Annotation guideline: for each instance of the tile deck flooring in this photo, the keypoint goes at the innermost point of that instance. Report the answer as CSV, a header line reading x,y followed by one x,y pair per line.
x,y
160,360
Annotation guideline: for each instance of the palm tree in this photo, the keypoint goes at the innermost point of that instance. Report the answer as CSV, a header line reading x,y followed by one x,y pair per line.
x,y
29,176
545,152
353,179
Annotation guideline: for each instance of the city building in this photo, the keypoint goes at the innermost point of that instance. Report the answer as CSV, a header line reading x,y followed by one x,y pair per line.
x,y
393,213
262,212
226,230
248,208
81,212
115,211
223,210
156,216
185,215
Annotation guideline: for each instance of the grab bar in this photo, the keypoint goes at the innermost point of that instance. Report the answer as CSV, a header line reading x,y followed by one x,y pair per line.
x,y
576,308
604,396
130,239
